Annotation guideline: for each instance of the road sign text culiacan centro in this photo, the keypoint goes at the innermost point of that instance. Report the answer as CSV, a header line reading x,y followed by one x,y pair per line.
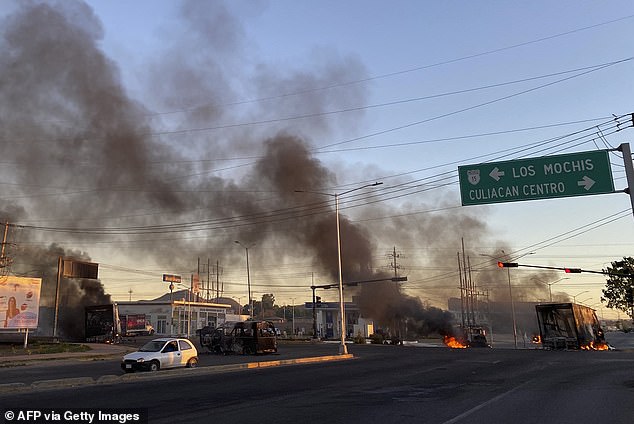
x,y
573,174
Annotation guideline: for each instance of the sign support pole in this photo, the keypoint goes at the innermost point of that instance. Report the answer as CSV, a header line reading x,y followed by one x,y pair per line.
x,y
629,170
60,265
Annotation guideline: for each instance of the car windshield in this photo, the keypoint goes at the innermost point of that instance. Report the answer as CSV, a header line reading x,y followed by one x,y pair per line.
x,y
153,346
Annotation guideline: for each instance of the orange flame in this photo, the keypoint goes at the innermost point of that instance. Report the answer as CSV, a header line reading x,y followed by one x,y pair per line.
x,y
453,343
595,346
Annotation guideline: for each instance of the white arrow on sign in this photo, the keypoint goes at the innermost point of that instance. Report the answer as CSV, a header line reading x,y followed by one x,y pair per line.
x,y
586,182
496,174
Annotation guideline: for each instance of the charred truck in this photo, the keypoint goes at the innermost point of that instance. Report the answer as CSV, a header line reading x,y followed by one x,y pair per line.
x,y
245,337
103,324
475,336
569,326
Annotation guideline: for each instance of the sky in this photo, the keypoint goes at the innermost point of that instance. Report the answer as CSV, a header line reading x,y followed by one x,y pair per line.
x,y
150,116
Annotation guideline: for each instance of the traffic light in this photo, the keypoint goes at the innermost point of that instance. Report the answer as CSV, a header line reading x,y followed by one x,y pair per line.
x,y
318,300
572,270
508,264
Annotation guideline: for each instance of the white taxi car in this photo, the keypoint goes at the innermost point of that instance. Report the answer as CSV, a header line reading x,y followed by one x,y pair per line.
x,y
167,352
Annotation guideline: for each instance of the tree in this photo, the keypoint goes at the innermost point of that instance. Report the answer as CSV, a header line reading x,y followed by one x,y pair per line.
x,y
619,288
265,306
268,301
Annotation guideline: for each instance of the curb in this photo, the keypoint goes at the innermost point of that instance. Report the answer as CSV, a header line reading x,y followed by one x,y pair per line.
x,y
63,383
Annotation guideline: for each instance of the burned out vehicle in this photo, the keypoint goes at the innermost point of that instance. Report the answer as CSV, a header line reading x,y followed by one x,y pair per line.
x,y
102,324
384,337
569,326
475,336
249,337
465,337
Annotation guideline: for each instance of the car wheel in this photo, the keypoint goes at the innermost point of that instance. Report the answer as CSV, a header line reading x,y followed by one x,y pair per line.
x,y
192,363
155,366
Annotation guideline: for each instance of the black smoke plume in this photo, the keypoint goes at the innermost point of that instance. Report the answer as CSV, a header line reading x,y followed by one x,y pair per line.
x,y
84,161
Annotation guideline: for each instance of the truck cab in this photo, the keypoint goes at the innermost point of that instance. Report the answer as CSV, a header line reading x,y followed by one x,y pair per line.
x,y
475,336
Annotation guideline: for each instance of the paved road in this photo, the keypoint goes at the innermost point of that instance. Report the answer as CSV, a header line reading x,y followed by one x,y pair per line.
x,y
21,371
383,384
96,366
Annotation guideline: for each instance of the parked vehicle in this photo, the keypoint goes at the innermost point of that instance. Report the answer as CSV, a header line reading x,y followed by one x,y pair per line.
x,y
569,326
136,325
102,324
245,337
160,353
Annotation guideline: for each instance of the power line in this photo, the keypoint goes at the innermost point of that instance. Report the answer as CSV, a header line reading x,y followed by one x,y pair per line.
x,y
311,209
404,71
469,108
579,72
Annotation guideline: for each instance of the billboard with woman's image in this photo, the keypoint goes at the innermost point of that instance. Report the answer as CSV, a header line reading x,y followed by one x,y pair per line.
x,y
19,302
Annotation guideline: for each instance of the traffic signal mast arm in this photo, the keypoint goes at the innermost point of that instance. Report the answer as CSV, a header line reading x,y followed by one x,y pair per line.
x,y
354,283
566,270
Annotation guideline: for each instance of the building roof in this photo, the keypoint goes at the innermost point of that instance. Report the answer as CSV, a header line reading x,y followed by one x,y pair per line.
x,y
183,295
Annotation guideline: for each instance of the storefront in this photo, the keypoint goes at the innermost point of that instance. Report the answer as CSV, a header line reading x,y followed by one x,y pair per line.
x,y
178,317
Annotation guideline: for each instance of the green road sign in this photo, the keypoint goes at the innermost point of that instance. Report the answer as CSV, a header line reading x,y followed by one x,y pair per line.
x,y
546,177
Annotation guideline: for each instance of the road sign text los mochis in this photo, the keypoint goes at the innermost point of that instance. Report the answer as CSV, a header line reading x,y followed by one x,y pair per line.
x,y
573,174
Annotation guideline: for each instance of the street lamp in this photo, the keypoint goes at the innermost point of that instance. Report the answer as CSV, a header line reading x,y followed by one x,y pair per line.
x,y
550,293
246,248
508,271
343,350
293,306
574,298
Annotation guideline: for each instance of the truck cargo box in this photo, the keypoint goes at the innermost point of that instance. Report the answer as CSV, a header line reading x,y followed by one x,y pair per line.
x,y
569,326
102,324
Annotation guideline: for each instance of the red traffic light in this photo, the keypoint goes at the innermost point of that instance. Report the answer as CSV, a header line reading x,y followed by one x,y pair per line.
x,y
508,264
572,270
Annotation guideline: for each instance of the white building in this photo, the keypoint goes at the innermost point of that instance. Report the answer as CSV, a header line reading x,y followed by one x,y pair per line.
x,y
174,314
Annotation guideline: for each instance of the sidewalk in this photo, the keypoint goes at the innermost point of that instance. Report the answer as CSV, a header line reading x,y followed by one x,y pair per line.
x,y
96,350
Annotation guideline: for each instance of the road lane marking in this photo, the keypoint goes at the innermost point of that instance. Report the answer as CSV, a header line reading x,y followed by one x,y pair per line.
x,y
487,403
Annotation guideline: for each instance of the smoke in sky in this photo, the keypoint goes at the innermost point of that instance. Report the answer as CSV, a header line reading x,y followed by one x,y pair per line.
x,y
85,162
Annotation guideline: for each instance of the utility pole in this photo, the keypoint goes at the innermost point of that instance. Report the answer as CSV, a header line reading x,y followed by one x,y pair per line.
x,y
473,297
312,286
197,276
217,280
293,306
208,280
393,264
462,292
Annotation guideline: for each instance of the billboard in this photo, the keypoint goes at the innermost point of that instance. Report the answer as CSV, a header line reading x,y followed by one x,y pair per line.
x,y
19,302
73,268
